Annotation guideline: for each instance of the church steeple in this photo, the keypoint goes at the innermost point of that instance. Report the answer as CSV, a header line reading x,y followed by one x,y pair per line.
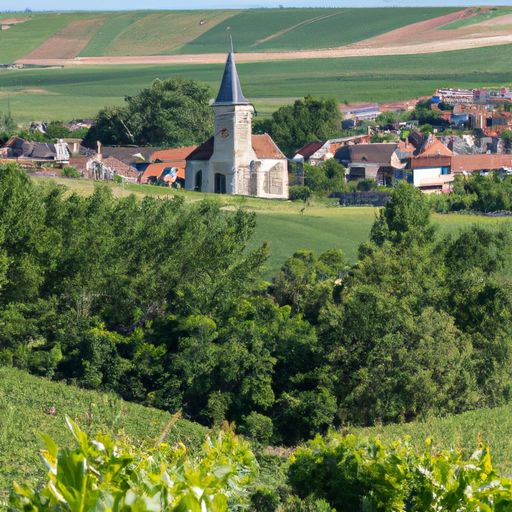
x,y
230,92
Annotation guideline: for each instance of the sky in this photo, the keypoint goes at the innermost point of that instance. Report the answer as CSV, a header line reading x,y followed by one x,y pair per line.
x,y
123,5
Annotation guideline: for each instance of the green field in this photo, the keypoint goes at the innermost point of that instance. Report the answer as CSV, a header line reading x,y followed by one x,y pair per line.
x,y
170,32
67,93
304,29
482,16
24,399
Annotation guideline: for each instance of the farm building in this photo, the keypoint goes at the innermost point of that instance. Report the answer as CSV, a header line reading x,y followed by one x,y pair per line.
x,y
234,161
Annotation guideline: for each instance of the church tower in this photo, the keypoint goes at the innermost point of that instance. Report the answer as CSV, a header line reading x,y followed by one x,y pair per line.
x,y
233,154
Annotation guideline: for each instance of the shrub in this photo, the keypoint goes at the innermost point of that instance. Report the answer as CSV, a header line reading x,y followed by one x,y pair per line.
x,y
70,172
299,193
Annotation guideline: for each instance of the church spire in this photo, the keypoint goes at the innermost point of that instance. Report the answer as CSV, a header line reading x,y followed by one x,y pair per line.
x,y
230,92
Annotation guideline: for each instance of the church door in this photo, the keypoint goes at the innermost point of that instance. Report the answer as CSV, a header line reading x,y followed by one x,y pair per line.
x,y
199,181
220,183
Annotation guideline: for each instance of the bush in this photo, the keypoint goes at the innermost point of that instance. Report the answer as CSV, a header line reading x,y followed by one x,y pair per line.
x,y
70,172
366,185
299,193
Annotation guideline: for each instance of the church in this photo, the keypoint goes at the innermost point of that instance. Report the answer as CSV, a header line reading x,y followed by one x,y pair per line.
x,y
234,161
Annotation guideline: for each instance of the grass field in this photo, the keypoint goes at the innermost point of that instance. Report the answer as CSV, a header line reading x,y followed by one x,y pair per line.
x,y
67,93
482,16
24,399
305,29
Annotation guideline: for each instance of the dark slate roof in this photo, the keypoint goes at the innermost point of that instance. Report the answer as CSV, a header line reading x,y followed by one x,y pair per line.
x,y
367,153
202,152
230,92
309,149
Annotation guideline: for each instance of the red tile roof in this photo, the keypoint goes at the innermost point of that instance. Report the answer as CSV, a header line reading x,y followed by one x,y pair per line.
x,y
156,170
265,147
121,168
172,154
309,149
471,163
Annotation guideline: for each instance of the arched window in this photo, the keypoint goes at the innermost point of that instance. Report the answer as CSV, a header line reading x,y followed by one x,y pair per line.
x,y
220,183
199,181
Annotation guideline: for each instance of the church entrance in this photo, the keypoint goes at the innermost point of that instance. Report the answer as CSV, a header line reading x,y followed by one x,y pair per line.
x,y
220,183
199,181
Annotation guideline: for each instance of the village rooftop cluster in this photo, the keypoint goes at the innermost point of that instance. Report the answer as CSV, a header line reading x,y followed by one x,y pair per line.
x,y
234,161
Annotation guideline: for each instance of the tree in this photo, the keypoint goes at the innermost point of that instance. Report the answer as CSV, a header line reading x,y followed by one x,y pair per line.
x,y
307,120
173,112
406,217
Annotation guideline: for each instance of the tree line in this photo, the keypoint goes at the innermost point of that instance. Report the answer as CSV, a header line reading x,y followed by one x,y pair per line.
x,y
162,302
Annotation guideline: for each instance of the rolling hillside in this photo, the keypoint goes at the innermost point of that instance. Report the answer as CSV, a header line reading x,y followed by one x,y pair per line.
x,y
24,400
95,34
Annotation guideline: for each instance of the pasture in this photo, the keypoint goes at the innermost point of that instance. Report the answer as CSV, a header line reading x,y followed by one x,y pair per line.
x,y
67,93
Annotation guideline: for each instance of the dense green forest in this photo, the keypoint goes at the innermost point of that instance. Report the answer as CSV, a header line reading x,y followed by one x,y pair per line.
x,y
161,301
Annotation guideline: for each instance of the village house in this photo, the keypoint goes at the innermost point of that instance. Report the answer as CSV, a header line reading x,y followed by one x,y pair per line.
x,y
167,167
234,161
363,161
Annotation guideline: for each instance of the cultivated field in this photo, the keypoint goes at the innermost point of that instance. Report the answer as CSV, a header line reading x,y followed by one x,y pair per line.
x,y
67,93
356,55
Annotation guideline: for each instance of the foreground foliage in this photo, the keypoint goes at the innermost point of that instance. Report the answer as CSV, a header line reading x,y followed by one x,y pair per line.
x,y
103,475
354,473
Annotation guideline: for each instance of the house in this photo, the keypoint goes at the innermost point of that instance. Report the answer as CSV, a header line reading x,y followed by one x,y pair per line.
x,y
315,153
368,161
167,166
466,164
234,161
430,163
21,149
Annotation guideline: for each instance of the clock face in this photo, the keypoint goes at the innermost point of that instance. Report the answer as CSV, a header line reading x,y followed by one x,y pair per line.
x,y
224,133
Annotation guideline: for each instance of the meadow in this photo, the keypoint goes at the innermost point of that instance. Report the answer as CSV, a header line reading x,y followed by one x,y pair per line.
x,y
67,93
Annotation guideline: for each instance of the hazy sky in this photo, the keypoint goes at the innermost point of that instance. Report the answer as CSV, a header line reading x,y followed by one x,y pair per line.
x,y
56,5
